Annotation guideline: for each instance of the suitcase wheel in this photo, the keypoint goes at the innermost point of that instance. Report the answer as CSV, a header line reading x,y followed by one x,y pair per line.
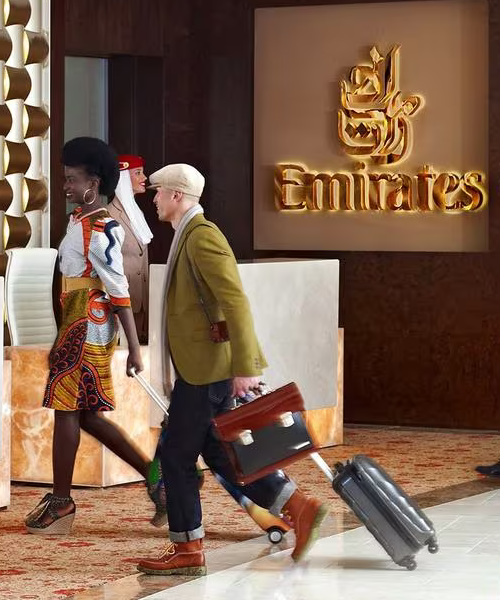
x,y
433,547
409,563
275,535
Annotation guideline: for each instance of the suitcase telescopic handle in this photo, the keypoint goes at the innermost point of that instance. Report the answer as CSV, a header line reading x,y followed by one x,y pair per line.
x,y
321,463
150,390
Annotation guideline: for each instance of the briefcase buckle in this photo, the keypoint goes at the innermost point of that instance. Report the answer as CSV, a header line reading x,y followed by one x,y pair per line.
x,y
245,438
286,419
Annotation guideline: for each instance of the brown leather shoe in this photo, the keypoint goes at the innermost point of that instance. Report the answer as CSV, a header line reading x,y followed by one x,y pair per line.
x,y
306,515
179,558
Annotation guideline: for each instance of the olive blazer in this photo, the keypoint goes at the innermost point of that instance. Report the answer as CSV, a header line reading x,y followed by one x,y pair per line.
x,y
204,252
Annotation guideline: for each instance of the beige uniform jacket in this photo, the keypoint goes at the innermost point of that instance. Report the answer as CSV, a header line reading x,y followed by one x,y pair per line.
x,y
135,259
196,357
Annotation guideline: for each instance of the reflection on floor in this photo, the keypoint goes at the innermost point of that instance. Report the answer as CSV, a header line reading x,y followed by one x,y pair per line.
x,y
346,566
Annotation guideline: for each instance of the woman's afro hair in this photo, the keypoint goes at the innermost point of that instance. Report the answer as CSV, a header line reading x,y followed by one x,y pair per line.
x,y
97,158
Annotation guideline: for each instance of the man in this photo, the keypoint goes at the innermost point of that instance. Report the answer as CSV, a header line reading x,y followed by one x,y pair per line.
x,y
213,364
124,209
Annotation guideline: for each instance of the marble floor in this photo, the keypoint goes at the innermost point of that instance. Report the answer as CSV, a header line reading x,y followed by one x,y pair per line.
x,y
345,566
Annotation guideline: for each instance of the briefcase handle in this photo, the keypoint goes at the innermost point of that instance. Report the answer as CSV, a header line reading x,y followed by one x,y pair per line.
x,y
253,395
286,419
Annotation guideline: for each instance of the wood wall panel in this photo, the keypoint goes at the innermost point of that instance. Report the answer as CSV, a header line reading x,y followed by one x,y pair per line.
x,y
229,114
136,107
136,123
121,103
494,122
106,27
186,82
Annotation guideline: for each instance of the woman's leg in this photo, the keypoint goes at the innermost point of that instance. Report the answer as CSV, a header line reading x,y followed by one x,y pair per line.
x,y
46,517
66,440
113,438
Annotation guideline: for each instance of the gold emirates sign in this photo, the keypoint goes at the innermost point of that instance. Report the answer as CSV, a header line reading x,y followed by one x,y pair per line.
x,y
374,124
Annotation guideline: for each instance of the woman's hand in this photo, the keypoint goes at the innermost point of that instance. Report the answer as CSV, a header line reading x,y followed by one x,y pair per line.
x,y
134,361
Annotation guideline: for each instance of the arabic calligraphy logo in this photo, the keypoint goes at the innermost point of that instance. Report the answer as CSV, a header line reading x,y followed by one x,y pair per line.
x,y
374,120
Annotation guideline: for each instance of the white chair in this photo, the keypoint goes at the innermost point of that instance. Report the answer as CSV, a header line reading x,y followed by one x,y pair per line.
x,y
28,296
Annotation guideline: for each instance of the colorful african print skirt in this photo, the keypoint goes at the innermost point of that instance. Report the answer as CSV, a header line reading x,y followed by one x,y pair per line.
x,y
80,360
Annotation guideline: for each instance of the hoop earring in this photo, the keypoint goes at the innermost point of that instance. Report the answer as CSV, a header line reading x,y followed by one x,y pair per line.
x,y
85,195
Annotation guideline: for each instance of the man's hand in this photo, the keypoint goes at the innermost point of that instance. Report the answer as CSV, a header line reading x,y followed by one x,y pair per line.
x,y
243,385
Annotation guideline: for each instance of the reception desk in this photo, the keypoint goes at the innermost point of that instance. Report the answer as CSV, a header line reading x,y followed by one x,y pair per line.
x,y
326,425
295,310
5,437
4,418
32,425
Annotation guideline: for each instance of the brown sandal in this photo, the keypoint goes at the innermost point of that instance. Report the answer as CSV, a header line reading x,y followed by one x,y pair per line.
x,y
49,505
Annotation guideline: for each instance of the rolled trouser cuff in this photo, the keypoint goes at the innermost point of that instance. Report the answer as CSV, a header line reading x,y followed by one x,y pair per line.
x,y
282,498
187,536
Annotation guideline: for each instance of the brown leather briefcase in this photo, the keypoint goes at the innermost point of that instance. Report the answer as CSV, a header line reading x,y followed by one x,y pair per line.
x,y
265,434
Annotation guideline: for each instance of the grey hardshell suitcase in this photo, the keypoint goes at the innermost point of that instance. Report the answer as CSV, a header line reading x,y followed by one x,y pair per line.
x,y
395,521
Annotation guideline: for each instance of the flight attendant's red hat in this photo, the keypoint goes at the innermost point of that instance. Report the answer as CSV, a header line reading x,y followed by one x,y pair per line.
x,y
130,161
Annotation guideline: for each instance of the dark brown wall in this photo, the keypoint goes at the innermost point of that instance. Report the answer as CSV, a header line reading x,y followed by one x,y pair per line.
x,y
106,27
136,126
422,330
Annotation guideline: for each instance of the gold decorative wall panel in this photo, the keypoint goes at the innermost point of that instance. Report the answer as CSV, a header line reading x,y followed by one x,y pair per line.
x,y
35,121
16,158
5,44
35,47
24,123
5,120
16,231
16,83
5,195
35,194
16,12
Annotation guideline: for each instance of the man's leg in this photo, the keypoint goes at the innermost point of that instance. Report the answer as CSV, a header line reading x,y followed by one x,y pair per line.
x,y
271,491
275,492
189,419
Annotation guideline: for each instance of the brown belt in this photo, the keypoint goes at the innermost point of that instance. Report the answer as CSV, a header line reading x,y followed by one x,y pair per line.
x,y
70,284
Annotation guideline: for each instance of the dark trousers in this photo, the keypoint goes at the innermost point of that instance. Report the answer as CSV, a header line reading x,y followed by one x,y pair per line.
x,y
189,433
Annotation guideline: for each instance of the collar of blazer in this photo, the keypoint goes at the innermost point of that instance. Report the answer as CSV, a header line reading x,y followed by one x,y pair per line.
x,y
196,221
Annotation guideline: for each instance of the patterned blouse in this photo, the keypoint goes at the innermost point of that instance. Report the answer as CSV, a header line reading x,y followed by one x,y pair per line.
x,y
92,248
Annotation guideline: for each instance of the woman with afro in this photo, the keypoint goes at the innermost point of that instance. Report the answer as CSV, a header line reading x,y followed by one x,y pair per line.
x,y
95,289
